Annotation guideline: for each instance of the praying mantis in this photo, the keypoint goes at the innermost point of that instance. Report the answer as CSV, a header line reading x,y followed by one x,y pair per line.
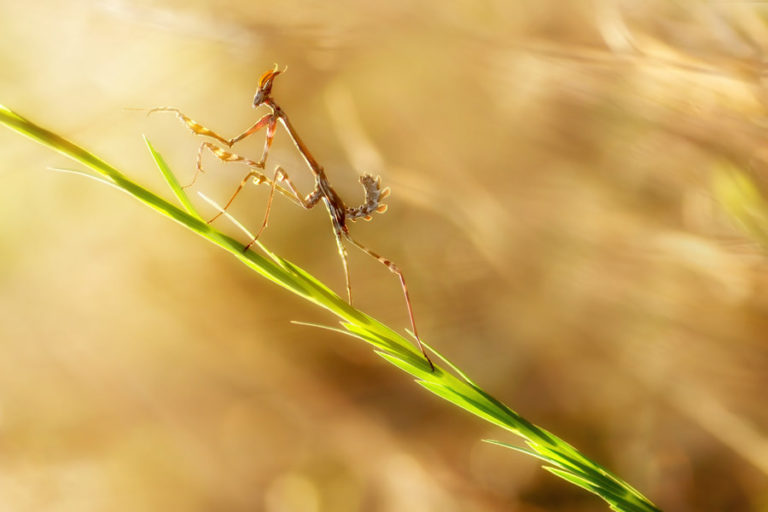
x,y
322,191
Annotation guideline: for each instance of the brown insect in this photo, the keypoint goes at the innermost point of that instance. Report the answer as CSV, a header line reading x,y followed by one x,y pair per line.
x,y
323,190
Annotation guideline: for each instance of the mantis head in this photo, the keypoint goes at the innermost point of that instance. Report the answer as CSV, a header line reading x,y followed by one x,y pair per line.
x,y
265,86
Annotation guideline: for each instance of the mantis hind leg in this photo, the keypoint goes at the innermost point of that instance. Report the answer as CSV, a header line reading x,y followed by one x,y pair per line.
x,y
399,273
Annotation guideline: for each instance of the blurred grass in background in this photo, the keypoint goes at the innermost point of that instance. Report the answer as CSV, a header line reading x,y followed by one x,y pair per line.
x,y
578,185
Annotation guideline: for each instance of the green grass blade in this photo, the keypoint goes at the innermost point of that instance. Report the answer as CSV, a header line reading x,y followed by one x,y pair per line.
x,y
449,364
170,178
563,459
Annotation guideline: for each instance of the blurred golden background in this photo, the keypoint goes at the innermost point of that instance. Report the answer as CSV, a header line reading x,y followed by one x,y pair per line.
x,y
568,204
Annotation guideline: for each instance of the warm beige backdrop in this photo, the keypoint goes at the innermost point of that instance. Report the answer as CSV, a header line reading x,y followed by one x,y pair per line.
x,y
552,168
